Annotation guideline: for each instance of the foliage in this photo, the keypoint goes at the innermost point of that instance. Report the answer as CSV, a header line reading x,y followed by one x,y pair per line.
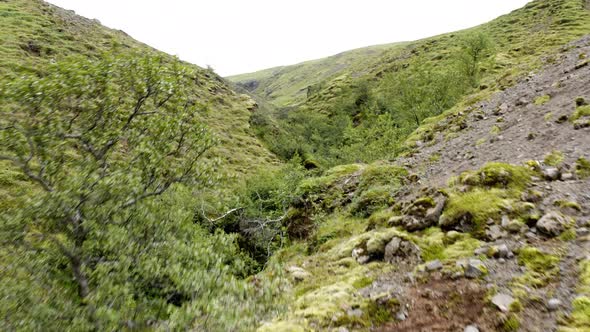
x,y
109,143
475,48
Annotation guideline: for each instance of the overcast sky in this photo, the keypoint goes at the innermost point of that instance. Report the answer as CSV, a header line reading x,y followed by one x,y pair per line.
x,y
239,36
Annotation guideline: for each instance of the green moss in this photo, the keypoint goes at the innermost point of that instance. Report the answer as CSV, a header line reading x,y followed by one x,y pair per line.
x,y
516,306
435,244
511,323
475,207
333,229
583,168
379,174
496,130
568,235
554,158
287,326
380,219
372,200
548,117
563,204
434,157
493,190
362,282
581,111
498,175
330,178
579,319
541,267
541,100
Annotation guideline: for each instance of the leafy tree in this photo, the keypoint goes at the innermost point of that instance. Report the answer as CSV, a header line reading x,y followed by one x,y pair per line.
x,y
474,48
114,145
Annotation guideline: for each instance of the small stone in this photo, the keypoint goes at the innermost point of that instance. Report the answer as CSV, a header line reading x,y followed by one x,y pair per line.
x,y
505,221
354,312
481,251
434,265
551,174
494,232
503,301
475,269
471,328
552,224
583,231
501,260
503,251
401,316
391,249
363,259
553,304
514,226
567,177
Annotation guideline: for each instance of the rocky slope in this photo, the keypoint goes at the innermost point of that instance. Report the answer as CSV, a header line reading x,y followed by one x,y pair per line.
x,y
483,226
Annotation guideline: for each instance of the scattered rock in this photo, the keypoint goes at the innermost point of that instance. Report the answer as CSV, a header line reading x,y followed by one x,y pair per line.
x,y
583,231
567,177
475,269
494,232
398,249
553,304
434,265
392,247
551,174
503,251
471,328
503,301
363,260
481,251
552,224
413,224
401,316
433,214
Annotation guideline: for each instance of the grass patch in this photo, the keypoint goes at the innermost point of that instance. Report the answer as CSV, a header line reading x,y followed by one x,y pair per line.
x,y
554,158
542,100
541,267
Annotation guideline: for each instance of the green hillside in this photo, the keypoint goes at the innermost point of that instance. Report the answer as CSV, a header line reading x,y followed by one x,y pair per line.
x,y
344,116
434,185
287,86
34,33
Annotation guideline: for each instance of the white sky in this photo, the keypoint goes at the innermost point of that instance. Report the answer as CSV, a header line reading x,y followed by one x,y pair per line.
x,y
239,36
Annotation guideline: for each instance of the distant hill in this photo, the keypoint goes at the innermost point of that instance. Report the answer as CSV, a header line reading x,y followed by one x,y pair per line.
x,y
288,85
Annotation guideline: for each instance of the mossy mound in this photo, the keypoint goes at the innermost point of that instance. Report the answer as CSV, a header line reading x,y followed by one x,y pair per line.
x,y
541,268
478,196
